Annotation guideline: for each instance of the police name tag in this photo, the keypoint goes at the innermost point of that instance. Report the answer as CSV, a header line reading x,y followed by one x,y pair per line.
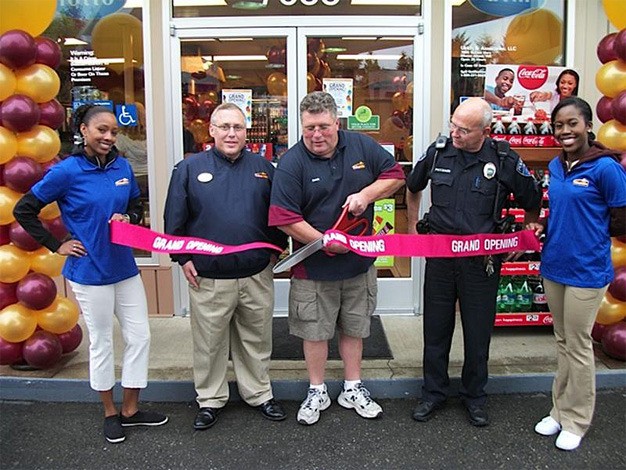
x,y
489,170
205,177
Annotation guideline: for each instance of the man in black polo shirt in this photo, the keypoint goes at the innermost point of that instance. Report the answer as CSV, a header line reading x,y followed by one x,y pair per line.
x,y
324,172
464,175
223,195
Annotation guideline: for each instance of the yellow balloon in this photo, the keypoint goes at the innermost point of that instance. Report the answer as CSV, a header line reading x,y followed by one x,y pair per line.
x,y
32,16
400,101
39,82
60,316
409,91
119,36
616,12
610,310
45,262
408,149
8,199
8,145
51,211
613,135
535,38
40,143
618,253
611,78
16,323
7,82
15,263
277,84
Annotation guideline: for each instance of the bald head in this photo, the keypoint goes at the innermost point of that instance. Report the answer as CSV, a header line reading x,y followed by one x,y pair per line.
x,y
470,124
478,108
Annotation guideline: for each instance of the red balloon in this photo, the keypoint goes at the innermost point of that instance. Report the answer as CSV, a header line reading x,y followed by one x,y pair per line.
x,y
603,109
21,173
614,341
48,52
7,294
10,353
70,340
36,291
21,238
617,288
4,235
273,55
52,114
17,49
43,349
56,227
605,49
598,331
19,113
619,46
618,107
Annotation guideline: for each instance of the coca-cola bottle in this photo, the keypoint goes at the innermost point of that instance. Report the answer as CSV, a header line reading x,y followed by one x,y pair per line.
x,y
514,127
540,303
498,126
546,128
545,184
529,128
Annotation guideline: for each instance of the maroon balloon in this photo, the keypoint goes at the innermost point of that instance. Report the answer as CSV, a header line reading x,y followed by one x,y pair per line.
x,y
619,46
52,114
19,113
17,49
618,107
598,331
605,49
43,349
7,294
2,172
36,291
614,341
56,227
21,238
4,235
21,173
617,288
46,166
70,340
48,52
10,353
603,109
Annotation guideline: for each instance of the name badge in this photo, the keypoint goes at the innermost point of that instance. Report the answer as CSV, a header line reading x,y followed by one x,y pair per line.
x,y
205,177
489,170
582,182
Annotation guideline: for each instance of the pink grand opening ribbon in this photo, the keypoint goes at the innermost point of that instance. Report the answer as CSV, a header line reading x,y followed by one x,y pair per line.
x,y
143,238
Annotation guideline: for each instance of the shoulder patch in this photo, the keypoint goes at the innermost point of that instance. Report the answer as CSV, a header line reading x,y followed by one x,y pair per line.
x,y
422,157
522,169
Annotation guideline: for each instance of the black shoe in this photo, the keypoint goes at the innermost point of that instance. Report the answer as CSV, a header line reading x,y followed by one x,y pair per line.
x,y
272,410
143,418
425,409
477,415
113,431
205,418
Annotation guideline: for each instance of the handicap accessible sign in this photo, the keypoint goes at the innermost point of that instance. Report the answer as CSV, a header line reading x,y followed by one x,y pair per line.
x,y
126,115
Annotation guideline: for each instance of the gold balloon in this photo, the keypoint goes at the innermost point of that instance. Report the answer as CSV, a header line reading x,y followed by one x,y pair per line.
x,y
119,35
393,132
45,262
613,135
611,78
408,148
7,82
310,82
616,12
8,145
400,101
39,82
535,38
409,91
277,84
8,199
14,262
60,316
611,310
16,323
51,211
32,16
40,143
618,253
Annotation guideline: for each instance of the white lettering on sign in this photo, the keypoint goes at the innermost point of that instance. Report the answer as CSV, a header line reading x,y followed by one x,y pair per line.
x,y
369,246
335,236
203,246
465,246
497,244
165,244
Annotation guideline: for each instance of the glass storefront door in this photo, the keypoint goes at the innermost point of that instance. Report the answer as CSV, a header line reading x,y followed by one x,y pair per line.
x,y
271,69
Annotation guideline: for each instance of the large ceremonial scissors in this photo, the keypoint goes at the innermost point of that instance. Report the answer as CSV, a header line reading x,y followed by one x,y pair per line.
x,y
345,223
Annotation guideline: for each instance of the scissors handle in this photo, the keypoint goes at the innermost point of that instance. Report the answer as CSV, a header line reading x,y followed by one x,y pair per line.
x,y
347,222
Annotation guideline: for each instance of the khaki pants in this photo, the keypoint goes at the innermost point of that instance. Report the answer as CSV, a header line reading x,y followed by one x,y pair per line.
x,y
574,312
233,314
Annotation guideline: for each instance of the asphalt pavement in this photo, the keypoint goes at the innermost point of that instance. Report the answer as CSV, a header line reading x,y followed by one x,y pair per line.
x,y
40,435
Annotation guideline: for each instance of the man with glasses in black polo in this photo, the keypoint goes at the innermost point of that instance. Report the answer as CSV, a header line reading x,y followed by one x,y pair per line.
x,y
223,195
471,177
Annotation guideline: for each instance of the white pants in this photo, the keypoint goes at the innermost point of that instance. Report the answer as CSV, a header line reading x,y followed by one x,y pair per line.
x,y
127,301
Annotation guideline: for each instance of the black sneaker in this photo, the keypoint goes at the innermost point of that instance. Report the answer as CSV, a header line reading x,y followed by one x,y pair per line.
x,y
113,431
143,418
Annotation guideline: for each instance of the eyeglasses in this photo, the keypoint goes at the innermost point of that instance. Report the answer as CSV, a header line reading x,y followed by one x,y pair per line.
x,y
462,130
228,127
322,129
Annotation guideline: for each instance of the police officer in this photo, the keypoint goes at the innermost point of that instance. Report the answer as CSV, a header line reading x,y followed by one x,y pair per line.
x,y
471,177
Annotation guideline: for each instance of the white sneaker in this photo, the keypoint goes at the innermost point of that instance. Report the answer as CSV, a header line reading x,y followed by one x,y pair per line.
x,y
359,399
567,441
548,426
316,401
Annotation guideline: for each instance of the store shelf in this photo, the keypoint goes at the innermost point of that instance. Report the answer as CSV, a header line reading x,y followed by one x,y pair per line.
x,y
537,154
524,319
520,268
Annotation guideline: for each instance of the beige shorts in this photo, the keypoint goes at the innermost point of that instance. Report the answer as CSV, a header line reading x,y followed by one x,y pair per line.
x,y
316,307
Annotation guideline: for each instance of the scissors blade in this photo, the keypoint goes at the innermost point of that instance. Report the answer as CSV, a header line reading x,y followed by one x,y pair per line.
x,y
299,255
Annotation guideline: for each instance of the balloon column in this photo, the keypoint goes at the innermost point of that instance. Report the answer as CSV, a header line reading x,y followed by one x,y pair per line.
x,y
610,328
36,325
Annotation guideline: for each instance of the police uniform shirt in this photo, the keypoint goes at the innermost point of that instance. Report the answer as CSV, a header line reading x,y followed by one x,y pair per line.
x,y
463,187
88,196
227,202
311,188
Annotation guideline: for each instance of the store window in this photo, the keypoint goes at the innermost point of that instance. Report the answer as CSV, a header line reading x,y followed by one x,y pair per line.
x,y
102,63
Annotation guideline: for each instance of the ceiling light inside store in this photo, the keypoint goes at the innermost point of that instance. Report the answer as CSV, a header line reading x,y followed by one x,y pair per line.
x,y
387,2
368,56
74,42
247,4
332,50
223,58
199,3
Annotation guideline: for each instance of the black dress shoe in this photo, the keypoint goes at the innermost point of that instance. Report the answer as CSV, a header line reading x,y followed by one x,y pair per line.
x,y
272,410
205,418
477,415
425,409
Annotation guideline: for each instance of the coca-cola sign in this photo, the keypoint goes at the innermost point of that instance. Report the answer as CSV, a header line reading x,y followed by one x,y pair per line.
x,y
532,77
